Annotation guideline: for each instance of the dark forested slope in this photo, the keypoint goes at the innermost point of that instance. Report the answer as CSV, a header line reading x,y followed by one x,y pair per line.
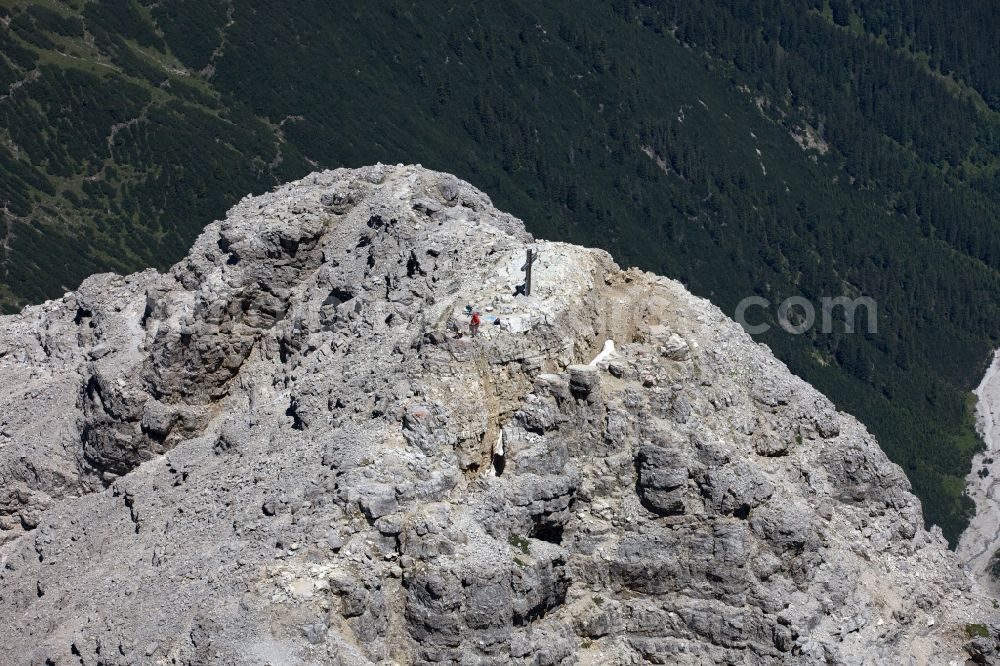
x,y
775,148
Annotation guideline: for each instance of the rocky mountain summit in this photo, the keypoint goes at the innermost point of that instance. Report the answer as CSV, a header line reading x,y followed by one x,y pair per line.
x,y
283,452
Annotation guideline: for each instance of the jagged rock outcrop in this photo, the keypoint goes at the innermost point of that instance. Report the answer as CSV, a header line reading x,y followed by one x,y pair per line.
x,y
280,452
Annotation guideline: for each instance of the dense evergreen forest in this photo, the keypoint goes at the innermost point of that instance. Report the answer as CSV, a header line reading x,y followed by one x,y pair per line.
x,y
746,147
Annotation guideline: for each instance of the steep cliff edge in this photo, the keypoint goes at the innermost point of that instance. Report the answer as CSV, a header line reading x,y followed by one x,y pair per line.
x,y
281,453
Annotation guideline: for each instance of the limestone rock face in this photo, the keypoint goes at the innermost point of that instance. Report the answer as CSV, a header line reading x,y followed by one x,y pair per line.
x,y
283,452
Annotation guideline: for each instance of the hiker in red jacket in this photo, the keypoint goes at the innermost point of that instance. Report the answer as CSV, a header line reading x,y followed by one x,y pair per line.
x,y
474,324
